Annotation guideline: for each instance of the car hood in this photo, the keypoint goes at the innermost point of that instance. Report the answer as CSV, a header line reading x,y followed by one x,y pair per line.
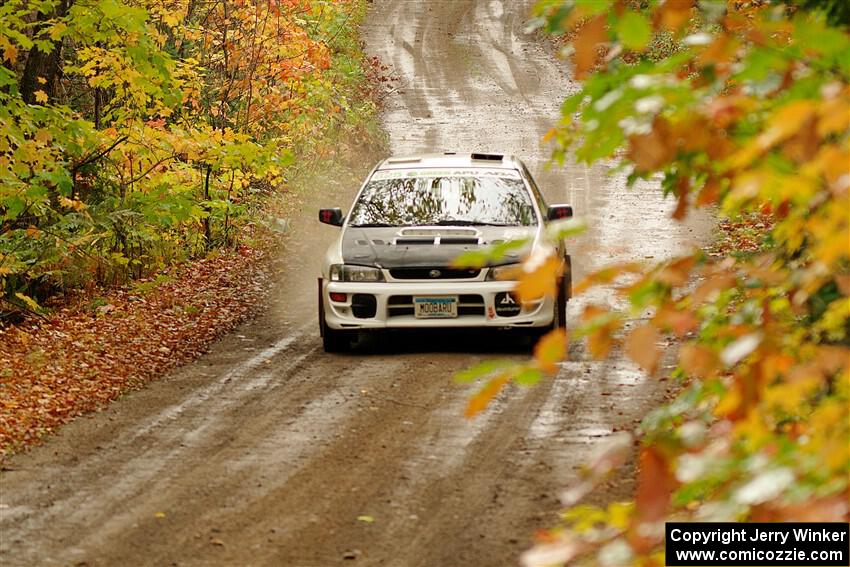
x,y
426,246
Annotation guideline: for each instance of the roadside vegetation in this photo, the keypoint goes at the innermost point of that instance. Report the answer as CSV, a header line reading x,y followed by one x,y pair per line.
x,y
746,112
151,155
137,134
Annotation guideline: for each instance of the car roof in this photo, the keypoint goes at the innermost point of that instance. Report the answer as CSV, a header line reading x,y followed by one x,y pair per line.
x,y
451,159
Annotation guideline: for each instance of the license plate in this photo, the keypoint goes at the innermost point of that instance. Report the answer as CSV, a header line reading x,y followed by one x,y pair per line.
x,y
435,307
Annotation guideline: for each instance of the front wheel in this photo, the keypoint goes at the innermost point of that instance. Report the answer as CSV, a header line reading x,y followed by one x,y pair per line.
x,y
565,290
334,340
561,298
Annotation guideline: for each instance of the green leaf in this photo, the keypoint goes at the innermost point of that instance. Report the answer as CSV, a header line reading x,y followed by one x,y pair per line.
x,y
480,370
528,376
492,254
634,31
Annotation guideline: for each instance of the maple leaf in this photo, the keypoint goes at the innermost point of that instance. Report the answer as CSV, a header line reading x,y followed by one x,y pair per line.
x,y
586,43
642,347
40,96
10,52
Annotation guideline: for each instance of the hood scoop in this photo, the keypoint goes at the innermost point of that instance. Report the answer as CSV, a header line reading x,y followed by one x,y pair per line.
x,y
437,236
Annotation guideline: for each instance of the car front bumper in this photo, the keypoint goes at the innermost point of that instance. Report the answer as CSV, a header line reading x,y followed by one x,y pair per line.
x,y
393,307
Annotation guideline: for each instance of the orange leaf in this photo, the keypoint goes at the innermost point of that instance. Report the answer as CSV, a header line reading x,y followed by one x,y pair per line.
x,y
681,204
482,399
642,347
599,343
673,14
605,275
601,339
710,192
540,282
680,322
711,285
10,52
655,485
586,44
698,360
676,272
651,151
550,350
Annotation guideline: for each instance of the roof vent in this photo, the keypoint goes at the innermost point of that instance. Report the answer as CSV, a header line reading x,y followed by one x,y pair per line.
x,y
487,157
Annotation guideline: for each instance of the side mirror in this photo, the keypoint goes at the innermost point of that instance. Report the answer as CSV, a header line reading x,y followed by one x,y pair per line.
x,y
557,212
331,216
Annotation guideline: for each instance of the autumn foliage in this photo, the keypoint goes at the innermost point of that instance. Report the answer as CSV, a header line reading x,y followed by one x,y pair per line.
x,y
745,110
135,133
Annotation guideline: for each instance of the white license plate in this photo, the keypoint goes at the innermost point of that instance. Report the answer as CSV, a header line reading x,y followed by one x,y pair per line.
x,y
435,307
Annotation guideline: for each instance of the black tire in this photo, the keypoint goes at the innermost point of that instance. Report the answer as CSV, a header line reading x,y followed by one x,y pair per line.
x,y
334,340
568,276
560,321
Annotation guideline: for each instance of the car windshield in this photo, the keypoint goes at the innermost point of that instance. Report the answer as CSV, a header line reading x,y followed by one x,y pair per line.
x,y
431,197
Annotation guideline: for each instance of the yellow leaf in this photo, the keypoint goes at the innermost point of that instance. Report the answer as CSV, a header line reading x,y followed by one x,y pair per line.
x,y
10,53
729,403
481,400
159,515
784,123
550,350
28,301
41,80
40,96
641,346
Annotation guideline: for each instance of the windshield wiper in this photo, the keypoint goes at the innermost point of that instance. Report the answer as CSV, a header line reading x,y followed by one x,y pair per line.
x,y
458,222
373,225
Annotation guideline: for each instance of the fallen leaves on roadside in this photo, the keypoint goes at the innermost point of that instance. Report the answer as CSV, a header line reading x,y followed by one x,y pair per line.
x,y
96,348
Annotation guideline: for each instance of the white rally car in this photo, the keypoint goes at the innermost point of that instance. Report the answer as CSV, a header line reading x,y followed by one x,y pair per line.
x,y
392,265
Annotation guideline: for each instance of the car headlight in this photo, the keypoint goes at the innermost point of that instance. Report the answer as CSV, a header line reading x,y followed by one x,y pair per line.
x,y
351,273
508,272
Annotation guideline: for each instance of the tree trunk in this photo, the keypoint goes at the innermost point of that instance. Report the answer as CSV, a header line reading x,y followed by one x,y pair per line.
x,y
41,65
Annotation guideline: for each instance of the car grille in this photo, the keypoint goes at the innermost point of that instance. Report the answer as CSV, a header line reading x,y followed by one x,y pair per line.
x,y
469,305
435,273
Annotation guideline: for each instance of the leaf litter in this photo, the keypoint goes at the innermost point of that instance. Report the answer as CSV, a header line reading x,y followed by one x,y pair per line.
x,y
95,348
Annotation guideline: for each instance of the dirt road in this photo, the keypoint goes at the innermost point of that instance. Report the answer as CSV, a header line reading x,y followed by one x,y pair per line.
x,y
269,452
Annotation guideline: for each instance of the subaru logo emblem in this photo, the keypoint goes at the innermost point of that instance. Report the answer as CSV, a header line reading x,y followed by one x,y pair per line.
x,y
435,273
